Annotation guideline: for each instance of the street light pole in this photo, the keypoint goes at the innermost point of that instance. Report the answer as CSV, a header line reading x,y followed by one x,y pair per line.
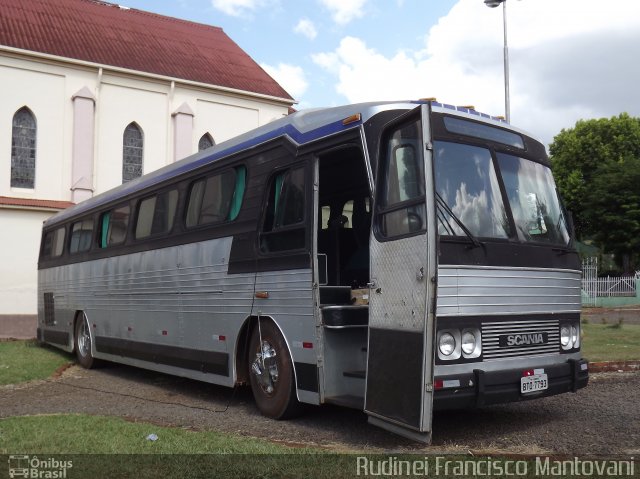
x,y
507,106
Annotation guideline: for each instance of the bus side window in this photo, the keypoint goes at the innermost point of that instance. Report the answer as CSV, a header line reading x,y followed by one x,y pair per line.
x,y
238,193
81,234
156,214
53,243
216,199
401,209
283,227
113,226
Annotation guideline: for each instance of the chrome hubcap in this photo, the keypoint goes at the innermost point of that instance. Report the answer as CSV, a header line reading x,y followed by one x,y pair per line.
x,y
84,339
265,368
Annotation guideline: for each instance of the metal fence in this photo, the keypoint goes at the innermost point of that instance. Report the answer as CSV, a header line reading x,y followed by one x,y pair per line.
x,y
589,281
607,287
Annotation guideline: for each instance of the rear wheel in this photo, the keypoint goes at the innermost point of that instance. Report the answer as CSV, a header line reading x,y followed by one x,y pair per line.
x,y
271,373
83,343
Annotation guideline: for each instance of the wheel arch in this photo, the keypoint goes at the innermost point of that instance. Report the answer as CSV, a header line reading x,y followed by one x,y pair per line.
x,y
241,359
76,317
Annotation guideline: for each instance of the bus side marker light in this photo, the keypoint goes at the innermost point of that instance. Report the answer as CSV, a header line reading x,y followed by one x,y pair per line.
x,y
219,337
262,294
306,345
352,119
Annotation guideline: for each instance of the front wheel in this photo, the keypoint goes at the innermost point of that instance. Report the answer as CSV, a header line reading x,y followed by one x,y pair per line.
x,y
271,373
83,344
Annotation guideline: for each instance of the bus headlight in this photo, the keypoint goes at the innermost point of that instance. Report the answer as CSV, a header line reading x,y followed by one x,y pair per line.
x,y
471,343
565,337
575,335
570,336
449,344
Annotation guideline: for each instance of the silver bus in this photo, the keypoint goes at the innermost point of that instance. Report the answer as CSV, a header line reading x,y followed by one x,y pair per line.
x,y
396,258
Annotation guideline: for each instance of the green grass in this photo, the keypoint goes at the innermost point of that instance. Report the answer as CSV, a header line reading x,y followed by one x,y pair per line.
x,y
22,361
112,447
612,342
96,446
85,434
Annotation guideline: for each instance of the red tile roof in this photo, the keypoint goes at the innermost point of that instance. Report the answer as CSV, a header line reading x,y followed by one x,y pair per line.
x,y
104,33
32,203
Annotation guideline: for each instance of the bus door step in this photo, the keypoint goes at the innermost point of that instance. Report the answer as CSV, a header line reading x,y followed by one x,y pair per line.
x,y
346,400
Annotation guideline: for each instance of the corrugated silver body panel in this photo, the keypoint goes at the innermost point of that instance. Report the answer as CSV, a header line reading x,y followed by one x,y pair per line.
x,y
181,296
290,305
494,295
486,290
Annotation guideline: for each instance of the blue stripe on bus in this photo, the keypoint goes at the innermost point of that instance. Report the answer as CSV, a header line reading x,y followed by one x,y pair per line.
x,y
286,130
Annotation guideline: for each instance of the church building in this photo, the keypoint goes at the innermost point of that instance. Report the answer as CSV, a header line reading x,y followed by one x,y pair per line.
x,y
93,94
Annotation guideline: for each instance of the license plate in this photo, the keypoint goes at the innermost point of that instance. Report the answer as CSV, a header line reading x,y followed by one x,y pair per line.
x,y
532,384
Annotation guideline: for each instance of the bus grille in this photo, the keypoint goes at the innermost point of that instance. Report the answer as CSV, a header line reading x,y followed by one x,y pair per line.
x,y
512,339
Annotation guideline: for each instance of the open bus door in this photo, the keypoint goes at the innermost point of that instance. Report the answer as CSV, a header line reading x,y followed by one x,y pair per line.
x,y
399,380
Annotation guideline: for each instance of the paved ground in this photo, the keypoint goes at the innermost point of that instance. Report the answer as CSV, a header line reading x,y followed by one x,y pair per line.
x,y
603,418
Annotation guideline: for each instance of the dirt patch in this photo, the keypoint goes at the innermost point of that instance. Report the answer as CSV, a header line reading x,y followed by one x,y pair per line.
x,y
614,366
60,371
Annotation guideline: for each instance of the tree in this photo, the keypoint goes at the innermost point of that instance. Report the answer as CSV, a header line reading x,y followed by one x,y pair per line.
x,y
597,168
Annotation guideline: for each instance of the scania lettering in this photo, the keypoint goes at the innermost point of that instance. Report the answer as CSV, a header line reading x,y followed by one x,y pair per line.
x,y
524,339
390,257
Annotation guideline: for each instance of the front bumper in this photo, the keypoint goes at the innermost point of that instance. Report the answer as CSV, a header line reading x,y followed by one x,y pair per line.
x,y
483,388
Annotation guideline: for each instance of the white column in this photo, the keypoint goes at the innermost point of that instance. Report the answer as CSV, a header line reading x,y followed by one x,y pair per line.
x,y
183,132
83,137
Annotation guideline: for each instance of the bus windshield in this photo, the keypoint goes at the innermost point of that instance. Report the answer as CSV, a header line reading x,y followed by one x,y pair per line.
x,y
533,200
467,182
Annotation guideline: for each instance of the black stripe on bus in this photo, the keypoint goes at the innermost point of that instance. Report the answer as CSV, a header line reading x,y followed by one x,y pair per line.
x,y
307,377
56,337
505,253
194,359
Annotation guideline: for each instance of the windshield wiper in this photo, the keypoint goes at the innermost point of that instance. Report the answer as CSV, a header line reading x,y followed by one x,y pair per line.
x,y
442,205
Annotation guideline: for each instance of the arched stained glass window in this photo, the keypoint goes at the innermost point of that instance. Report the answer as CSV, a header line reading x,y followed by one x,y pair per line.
x,y
23,149
205,142
132,150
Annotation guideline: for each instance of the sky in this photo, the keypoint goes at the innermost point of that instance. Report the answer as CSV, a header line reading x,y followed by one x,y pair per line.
x,y
568,59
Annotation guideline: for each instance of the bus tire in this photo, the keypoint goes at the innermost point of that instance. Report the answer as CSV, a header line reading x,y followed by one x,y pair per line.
x,y
83,343
279,402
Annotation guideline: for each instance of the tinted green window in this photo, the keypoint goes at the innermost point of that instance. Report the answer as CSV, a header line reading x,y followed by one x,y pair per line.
x,y
283,227
81,234
113,226
216,199
156,214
